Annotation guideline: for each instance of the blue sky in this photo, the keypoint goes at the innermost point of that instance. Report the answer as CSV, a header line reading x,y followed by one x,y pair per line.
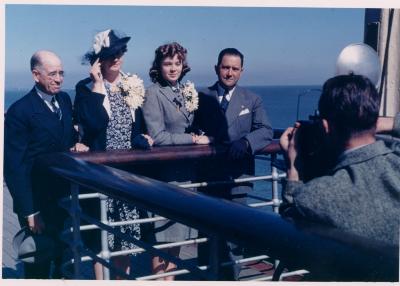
x,y
282,46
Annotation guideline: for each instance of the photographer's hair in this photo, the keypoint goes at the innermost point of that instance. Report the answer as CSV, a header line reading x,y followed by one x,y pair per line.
x,y
231,52
164,51
351,103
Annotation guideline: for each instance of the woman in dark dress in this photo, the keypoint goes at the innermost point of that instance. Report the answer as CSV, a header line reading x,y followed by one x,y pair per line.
x,y
107,111
169,112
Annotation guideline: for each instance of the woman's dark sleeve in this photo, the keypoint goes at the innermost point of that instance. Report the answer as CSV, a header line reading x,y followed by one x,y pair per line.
x,y
89,112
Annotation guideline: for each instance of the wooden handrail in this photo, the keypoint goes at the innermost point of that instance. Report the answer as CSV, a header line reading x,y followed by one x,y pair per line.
x,y
165,153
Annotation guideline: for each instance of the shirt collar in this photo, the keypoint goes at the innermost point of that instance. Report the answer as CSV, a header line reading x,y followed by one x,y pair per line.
x,y
362,153
175,88
221,91
43,95
348,151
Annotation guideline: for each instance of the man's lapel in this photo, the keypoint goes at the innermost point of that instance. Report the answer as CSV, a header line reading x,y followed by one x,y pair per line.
x,y
44,116
235,106
214,90
66,117
66,113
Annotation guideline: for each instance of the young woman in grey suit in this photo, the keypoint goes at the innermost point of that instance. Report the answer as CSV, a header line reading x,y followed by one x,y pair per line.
x,y
107,109
168,112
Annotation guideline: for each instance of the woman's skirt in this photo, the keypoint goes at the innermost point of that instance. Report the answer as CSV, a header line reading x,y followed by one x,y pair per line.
x,y
168,230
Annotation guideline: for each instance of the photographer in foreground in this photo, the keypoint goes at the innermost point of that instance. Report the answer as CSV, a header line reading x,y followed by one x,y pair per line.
x,y
360,194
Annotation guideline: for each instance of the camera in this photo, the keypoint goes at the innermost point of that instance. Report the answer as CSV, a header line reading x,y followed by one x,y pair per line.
x,y
313,152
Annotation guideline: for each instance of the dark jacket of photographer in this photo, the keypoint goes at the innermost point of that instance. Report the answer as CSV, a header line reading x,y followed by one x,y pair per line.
x,y
360,195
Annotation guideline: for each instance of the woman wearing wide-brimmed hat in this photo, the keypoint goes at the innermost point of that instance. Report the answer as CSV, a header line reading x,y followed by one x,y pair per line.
x,y
107,111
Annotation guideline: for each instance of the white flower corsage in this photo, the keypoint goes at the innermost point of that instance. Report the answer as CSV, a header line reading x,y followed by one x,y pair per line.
x,y
190,96
101,40
131,88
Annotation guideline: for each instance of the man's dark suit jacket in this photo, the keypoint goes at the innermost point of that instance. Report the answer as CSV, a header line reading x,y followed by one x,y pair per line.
x,y
32,129
245,118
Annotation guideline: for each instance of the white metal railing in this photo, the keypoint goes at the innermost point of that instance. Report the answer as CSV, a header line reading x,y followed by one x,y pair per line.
x,y
105,226
315,247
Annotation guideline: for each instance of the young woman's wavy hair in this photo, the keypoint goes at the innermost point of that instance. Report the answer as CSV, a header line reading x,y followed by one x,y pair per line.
x,y
164,51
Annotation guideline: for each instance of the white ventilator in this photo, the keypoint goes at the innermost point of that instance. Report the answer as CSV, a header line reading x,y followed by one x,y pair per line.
x,y
359,59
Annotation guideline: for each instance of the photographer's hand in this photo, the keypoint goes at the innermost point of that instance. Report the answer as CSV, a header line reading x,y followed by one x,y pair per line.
x,y
288,142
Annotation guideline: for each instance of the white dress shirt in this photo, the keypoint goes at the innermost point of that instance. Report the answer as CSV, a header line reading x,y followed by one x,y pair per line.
x,y
221,91
47,99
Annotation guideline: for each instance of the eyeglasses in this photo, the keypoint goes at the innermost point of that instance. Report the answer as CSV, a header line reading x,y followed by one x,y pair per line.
x,y
55,73
51,75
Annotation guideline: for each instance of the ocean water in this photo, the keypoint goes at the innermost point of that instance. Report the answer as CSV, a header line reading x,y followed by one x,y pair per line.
x,y
282,103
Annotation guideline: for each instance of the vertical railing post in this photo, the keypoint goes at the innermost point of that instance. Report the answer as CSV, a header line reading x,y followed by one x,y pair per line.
x,y
105,252
214,261
275,206
275,179
75,215
279,267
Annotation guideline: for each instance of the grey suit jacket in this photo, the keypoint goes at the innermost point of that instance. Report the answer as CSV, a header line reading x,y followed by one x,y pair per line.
x,y
244,118
166,123
361,195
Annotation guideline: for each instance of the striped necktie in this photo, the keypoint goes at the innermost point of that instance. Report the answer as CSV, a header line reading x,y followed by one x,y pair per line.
x,y
224,101
56,109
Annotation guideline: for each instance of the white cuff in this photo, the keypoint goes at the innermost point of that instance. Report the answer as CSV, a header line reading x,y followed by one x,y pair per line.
x,y
32,215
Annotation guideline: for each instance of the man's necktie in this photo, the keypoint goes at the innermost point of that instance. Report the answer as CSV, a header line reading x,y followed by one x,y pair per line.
x,y
224,101
56,109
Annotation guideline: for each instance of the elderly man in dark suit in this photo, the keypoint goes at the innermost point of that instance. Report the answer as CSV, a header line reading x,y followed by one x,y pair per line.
x,y
38,123
234,116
